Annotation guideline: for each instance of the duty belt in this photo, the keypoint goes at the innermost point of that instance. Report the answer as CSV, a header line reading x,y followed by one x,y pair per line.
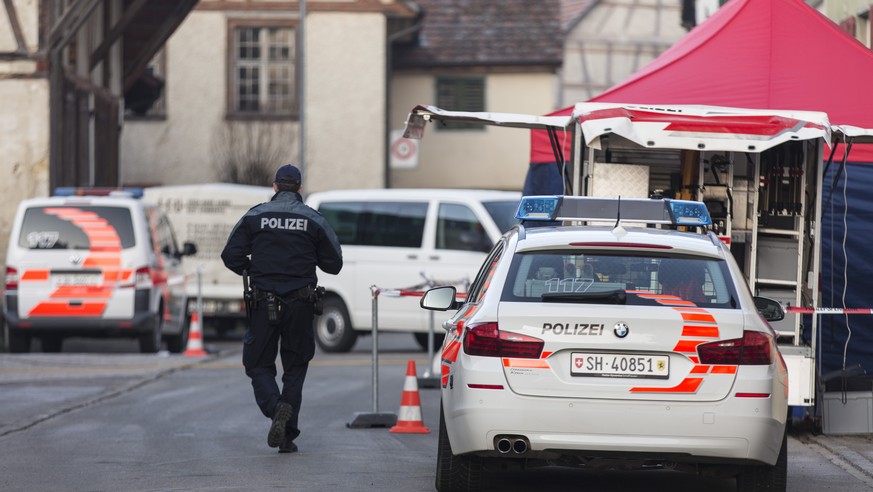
x,y
301,293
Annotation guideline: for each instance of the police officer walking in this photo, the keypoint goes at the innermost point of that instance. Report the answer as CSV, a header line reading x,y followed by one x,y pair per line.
x,y
278,244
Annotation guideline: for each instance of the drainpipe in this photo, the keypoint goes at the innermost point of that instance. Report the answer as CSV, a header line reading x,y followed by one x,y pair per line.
x,y
389,68
301,93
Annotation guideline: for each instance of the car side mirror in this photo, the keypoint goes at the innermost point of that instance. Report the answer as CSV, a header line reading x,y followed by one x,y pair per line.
x,y
440,299
770,309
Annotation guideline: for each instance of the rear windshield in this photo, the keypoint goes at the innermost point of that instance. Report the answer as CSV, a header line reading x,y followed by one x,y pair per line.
x,y
503,213
602,278
79,227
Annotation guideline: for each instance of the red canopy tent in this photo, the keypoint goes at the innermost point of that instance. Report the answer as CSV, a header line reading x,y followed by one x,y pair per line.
x,y
757,54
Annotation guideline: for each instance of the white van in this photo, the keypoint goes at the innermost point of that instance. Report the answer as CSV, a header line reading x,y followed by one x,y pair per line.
x,y
205,214
403,239
80,264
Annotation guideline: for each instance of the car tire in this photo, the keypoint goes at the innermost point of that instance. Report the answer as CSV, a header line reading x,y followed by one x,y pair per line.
x,y
766,478
52,344
150,341
333,328
19,343
455,473
421,339
177,344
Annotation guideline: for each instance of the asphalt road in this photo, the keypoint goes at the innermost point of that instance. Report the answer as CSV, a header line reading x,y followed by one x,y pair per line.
x,y
101,417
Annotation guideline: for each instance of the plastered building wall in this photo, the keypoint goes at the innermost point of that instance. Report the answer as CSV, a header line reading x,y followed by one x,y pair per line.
x,y
464,159
344,105
179,148
24,120
345,101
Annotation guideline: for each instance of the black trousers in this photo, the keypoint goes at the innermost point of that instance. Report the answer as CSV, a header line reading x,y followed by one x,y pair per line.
x,y
293,339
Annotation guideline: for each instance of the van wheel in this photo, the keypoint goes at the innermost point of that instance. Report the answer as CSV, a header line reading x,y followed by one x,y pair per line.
x,y
421,338
333,329
150,341
176,344
19,342
52,344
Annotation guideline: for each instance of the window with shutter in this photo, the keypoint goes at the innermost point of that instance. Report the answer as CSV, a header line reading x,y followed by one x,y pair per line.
x,y
460,94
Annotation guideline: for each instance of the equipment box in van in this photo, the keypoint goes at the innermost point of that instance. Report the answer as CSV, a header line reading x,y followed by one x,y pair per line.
x,y
94,266
403,239
205,214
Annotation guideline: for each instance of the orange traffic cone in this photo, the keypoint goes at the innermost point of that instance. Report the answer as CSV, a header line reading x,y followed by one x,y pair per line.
x,y
409,418
195,338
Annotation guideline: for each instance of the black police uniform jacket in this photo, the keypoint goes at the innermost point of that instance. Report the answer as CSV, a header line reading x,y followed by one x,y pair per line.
x,y
280,243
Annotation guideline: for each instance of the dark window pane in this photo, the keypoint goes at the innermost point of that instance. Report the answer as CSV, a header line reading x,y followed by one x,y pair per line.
x,y
392,224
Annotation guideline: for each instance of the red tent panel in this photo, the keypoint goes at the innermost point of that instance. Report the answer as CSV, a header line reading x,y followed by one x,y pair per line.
x,y
757,54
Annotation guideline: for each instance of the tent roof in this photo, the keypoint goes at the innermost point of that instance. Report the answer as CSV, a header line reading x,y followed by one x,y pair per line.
x,y
758,54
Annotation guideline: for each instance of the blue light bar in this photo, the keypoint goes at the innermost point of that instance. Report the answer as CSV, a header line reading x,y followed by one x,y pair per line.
x,y
99,191
688,213
638,210
538,208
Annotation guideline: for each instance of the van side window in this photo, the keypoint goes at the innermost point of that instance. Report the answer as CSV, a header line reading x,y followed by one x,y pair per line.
x,y
458,228
392,224
166,237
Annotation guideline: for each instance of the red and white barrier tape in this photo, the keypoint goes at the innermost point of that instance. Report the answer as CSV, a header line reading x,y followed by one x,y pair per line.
x,y
412,293
827,310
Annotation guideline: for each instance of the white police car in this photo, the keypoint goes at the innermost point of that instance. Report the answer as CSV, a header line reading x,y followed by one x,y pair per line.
x,y
615,346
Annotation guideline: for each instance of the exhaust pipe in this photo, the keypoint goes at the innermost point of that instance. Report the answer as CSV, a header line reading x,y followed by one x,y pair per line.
x,y
520,446
511,444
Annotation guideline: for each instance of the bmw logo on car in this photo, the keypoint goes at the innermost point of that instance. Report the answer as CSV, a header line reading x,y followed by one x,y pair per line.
x,y
621,330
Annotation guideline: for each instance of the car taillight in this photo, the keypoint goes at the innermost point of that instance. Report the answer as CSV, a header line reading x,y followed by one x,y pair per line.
x,y
488,341
143,278
11,279
754,349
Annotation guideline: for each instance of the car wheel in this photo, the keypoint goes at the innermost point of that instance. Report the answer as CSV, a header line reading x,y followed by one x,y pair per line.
x,y
19,342
333,329
766,478
177,344
455,473
150,341
421,338
52,344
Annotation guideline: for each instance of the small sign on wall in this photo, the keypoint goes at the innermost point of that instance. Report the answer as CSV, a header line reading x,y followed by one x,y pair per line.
x,y
404,151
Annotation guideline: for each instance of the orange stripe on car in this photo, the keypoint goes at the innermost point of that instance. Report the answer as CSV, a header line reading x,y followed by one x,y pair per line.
x,y
66,309
700,331
82,292
699,317
675,302
687,346
92,261
688,385
526,363
450,354
724,369
700,369
34,276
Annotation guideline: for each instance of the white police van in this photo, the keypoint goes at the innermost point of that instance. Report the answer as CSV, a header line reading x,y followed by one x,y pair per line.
x,y
613,347
403,239
94,263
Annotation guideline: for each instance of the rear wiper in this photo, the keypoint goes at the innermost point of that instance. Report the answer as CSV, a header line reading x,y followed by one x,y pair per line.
x,y
608,297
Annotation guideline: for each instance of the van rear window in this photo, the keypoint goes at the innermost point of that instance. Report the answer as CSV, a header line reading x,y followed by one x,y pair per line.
x,y
392,224
79,227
